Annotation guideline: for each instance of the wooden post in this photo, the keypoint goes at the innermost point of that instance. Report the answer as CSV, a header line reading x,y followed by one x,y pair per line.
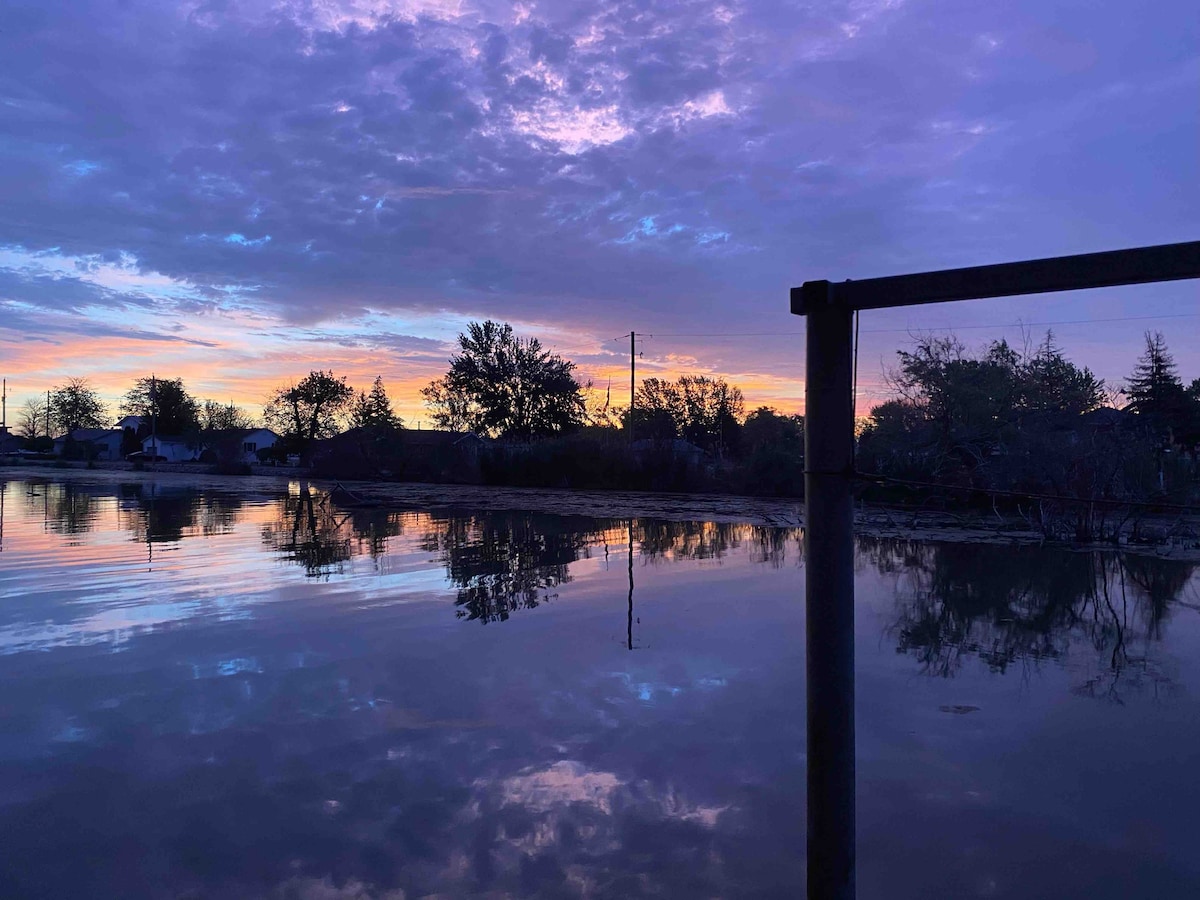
x,y
829,503
829,595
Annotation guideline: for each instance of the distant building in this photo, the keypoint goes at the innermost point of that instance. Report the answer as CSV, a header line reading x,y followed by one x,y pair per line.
x,y
170,447
681,450
9,442
133,423
90,443
237,444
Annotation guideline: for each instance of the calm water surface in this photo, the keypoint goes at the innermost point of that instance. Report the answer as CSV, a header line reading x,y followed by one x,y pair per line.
x,y
235,695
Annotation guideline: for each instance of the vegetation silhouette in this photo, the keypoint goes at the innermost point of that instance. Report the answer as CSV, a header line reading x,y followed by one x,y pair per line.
x,y
1033,423
75,404
309,409
167,401
1005,605
310,529
501,385
505,561
150,512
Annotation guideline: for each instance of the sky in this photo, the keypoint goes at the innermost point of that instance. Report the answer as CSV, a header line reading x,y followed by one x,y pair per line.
x,y
239,191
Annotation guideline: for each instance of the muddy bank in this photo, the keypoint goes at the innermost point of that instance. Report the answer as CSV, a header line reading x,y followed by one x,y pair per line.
x,y
1177,537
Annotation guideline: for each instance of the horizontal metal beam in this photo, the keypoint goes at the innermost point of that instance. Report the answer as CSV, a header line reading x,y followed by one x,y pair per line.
x,y
1166,262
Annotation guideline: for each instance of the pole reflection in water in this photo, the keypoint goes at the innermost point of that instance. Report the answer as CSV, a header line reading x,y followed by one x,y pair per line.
x,y
629,620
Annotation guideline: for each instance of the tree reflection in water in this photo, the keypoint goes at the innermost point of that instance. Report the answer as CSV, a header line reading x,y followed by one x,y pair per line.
x,y
314,532
660,539
157,515
151,512
506,561
65,507
1005,604
502,561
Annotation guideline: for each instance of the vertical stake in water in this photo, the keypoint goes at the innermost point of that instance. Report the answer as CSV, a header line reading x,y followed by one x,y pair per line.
x,y
829,595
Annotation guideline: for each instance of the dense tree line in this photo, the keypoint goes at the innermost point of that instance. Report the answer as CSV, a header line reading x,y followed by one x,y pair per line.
x,y
999,419
1035,422
317,406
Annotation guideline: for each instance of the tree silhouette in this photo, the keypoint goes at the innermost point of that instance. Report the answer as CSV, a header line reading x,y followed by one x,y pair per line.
x,y
308,410
31,419
1155,390
73,404
706,411
374,410
176,411
216,416
505,386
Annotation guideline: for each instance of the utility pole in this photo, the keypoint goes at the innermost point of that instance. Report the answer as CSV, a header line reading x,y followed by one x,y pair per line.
x,y
632,390
48,434
4,408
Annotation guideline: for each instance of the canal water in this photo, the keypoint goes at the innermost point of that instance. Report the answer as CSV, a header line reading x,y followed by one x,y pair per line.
x,y
275,695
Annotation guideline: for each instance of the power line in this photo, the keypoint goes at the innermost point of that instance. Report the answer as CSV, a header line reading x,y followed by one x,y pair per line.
x,y
1033,324
1018,324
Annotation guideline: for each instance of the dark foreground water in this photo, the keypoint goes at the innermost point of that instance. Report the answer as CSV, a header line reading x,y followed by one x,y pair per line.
x,y
217,695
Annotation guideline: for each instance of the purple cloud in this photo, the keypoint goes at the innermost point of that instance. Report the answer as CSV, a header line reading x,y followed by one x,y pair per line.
x,y
670,166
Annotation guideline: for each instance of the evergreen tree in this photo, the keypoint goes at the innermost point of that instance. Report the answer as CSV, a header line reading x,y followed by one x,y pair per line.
x,y
1155,390
1053,382
381,406
374,409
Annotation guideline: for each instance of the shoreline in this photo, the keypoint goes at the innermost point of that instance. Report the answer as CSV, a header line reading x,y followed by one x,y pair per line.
x,y
870,521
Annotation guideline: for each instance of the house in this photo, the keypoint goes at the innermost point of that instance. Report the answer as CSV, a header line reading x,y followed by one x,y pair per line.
x,y
237,444
89,443
9,442
133,423
681,450
172,448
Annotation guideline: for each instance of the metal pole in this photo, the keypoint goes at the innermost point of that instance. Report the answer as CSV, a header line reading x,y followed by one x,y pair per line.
x,y
829,600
